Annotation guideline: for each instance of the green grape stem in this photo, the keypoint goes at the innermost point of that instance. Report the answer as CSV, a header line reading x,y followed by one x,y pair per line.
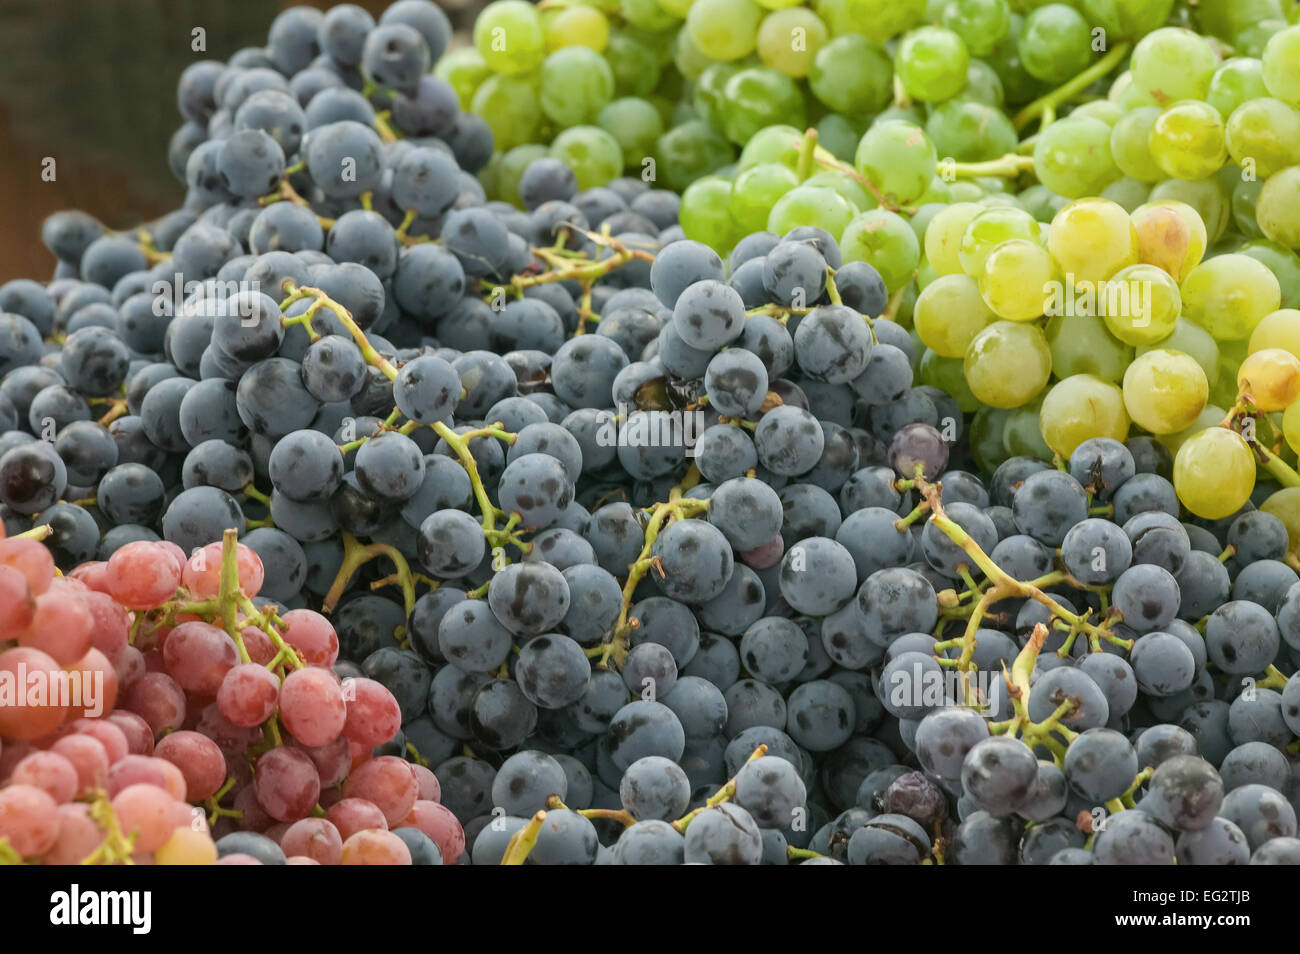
x,y
1044,108
726,793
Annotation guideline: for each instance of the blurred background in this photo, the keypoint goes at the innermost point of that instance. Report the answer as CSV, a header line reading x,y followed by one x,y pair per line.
x,y
92,84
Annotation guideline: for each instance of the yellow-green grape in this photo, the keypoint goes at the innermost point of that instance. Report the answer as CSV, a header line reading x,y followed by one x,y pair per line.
x,y
845,185
1022,435
839,134
1278,329
648,15
756,190
635,125
678,8
1080,408
1129,144
688,59
1285,505
592,154
1128,94
1291,426
771,144
1092,239
1211,416
465,69
949,313
1206,197
1281,62
1103,109
509,36
851,75
1231,355
1072,157
989,228
1171,236
881,20
1236,81
1008,363
1081,345
1187,140
578,25
724,29
1172,64
1270,379
1165,390
705,214
882,239
1264,136
947,375
1140,304
931,64
788,40
811,205
1016,277
1229,295
1214,473
1192,340
943,236
576,84
1278,208
510,107
898,159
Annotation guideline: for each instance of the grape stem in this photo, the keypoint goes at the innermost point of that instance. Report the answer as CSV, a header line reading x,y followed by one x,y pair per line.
x,y
522,841
117,846
807,152
726,793
356,555
1044,107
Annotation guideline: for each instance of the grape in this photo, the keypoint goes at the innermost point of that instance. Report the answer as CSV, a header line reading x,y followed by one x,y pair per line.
x,y
898,158
1007,364
1214,473
1164,391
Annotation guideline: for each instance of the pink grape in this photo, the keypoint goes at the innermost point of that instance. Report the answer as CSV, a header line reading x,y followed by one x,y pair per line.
x,y
375,847
158,699
373,714
50,772
78,836
352,815
248,694
313,636
312,706
286,784
441,825
142,575
198,758
387,782
88,757
314,838
29,818
198,655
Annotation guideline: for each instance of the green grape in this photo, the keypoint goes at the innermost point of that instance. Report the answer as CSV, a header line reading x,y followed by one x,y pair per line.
x,y
979,23
839,135
881,20
1055,43
1141,304
707,95
937,191
788,40
772,144
1135,97
576,84
1279,329
724,29
1225,18
1164,391
1281,61
988,229
949,313
1129,139
688,59
578,25
1092,239
925,276
898,159
810,205
1191,340
1172,64
851,75
1187,140
986,445
1000,200
1228,295
1278,208
913,114
1245,196
1079,408
592,154
756,190
465,69
1042,203
1008,363
508,35
1127,192
1231,355
944,233
1016,278
906,303
882,239
1081,345
964,191
1022,436
511,169
686,152
836,15
1236,81
920,221
647,15
967,131
1214,473
1211,416
947,375
510,107
1072,157
931,64
1103,109
705,214
635,125
983,85
1127,19
845,185
1282,262
1017,84
757,97
635,64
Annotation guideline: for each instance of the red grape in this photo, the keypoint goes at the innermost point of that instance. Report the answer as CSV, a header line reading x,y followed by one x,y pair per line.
x,y
50,772
29,818
198,656
139,737
30,558
199,760
314,838
60,626
375,847
148,812
17,605
389,783
313,636
441,825
142,575
202,573
351,815
93,691
312,706
78,837
109,735
110,624
286,784
430,788
373,714
158,699
29,687
88,757
248,694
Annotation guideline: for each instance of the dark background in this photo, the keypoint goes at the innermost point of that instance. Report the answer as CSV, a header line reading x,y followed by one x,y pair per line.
x,y
92,83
